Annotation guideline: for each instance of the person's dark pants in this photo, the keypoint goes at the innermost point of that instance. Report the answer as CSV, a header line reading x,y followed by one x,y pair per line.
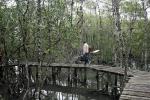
x,y
86,58
0,59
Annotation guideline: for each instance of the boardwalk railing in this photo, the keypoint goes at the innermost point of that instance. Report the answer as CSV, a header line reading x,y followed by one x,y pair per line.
x,y
138,87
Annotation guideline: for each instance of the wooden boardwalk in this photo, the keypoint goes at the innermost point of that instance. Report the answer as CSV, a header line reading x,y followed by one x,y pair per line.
x,y
138,87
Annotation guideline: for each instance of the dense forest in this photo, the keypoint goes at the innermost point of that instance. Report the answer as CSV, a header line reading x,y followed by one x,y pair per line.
x,y
53,30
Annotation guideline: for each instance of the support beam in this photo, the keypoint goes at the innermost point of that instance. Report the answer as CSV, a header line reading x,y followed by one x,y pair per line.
x,y
115,88
69,78
53,75
97,78
85,76
75,76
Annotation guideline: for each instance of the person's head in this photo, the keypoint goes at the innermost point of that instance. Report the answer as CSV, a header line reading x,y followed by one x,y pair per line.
x,y
84,42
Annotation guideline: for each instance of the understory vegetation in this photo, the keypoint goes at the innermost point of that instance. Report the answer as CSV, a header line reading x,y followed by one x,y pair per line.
x,y
54,30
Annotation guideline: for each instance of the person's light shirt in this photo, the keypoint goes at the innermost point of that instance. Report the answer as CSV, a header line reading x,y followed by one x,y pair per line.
x,y
85,48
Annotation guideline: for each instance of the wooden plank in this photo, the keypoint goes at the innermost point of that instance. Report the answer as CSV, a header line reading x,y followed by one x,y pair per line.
x,y
138,87
136,93
127,97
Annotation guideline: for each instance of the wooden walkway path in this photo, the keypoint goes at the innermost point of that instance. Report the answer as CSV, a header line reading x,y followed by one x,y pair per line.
x,y
138,87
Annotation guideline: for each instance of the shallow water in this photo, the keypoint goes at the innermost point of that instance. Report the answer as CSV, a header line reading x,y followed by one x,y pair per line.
x,y
61,89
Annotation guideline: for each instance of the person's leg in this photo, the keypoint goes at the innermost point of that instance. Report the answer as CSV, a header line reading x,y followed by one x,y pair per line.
x,y
0,60
86,58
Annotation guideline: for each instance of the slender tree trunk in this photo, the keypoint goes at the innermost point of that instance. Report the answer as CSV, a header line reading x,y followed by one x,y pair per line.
x,y
117,33
72,4
5,52
38,45
23,27
81,22
145,36
23,24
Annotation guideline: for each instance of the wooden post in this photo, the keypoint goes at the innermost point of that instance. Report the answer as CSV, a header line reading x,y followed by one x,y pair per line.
x,y
80,76
107,83
102,81
75,76
106,87
121,83
115,88
68,76
97,78
37,73
85,75
59,72
30,73
53,75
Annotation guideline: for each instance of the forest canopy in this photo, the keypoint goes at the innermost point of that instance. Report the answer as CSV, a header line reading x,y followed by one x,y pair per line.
x,y
54,30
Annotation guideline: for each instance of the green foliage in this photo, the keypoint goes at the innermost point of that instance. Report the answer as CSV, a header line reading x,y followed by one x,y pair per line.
x,y
61,33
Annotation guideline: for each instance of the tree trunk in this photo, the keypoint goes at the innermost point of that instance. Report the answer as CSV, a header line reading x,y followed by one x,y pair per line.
x,y
117,34
145,36
38,45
